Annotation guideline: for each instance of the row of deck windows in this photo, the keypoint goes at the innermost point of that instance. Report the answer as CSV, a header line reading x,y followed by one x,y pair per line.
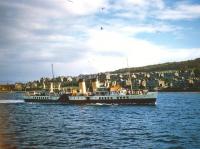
x,y
40,97
122,97
77,98
105,98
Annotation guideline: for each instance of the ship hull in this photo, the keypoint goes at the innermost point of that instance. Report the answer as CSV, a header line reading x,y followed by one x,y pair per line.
x,y
41,101
118,102
65,99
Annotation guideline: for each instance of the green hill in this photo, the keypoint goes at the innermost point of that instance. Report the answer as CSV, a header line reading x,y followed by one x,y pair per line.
x,y
183,65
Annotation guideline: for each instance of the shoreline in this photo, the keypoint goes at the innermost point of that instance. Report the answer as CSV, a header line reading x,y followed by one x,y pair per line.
x,y
12,92
5,92
178,90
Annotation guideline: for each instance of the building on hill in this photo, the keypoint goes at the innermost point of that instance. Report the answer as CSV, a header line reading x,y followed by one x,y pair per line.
x,y
19,86
7,87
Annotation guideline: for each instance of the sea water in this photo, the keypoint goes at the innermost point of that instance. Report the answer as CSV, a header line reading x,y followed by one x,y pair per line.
x,y
173,123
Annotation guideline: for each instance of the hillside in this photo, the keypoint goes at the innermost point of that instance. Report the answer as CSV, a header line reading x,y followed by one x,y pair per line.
x,y
183,65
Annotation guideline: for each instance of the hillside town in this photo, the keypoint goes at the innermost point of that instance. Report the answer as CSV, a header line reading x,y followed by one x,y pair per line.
x,y
187,80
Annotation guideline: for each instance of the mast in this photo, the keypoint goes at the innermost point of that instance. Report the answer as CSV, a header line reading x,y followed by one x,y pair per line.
x,y
52,71
129,74
52,84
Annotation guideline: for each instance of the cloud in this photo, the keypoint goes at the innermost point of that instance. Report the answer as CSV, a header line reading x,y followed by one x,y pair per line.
x,y
84,7
141,9
180,12
139,52
135,9
35,34
144,28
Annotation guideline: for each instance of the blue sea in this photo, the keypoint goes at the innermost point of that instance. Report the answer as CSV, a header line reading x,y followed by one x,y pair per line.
x,y
174,123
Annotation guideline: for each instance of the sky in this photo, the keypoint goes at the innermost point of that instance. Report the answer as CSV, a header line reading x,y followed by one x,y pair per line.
x,y
91,36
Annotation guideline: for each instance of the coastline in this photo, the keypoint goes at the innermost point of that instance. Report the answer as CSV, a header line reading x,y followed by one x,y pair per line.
x,y
165,90
1,92
178,90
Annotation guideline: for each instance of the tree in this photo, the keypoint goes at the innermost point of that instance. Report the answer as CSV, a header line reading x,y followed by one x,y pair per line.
x,y
197,72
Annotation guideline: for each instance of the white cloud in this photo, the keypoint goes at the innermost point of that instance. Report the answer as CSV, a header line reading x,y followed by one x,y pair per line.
x,y
138,9
145,28
181,11
142,9
68,34
83,7
139,52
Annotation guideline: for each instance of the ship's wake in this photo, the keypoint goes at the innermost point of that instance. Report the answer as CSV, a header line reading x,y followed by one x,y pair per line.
x,y
11,101
102,104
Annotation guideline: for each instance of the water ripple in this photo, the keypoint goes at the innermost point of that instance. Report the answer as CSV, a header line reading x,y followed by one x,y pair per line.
x,y
173,123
